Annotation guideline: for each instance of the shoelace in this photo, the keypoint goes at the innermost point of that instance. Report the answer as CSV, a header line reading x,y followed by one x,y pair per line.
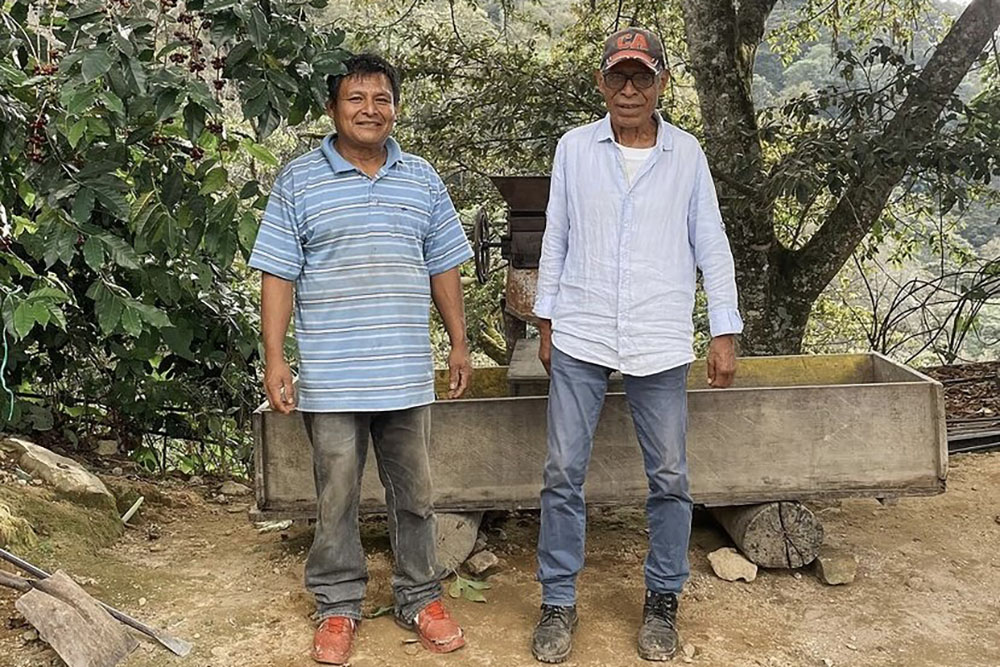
x,y
552,613
662,607
435,611
339,624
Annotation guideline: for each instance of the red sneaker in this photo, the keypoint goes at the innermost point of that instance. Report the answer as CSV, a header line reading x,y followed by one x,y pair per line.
x,y
333,640
438,632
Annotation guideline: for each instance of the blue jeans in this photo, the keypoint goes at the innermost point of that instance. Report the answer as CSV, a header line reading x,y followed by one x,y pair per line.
x,y
659,410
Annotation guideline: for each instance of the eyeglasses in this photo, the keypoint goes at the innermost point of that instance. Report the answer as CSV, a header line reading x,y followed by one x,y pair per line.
x,y
641,80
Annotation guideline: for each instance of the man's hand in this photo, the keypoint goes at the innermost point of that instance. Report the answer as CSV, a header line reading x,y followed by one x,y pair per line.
x,y
460,368
545,344
279,387
721,361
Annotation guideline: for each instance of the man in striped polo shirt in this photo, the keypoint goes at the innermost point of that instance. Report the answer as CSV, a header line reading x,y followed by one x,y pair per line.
x,y
364,236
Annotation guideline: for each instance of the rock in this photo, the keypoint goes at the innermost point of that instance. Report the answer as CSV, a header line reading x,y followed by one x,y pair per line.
x,y
36,482
481,562
195,479
836,567
827,662
142,602
729,564
274,526
84,581
480,543
29,636
157,548
107,447
689,650
456,537
69,478
231,488
117,471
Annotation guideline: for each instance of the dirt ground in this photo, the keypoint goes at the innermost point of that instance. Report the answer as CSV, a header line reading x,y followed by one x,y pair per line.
x,y
927,592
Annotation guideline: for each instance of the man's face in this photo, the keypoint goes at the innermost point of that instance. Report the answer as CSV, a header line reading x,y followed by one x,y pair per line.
x,y
364,111
630,105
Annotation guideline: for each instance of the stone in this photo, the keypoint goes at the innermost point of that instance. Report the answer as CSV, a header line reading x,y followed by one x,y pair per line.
x,y
117,471
835,567
730,565
480,543
827,662
689,650
195,479
231,488
142,602
36,482
481,562
69,478
29,636
107,447
157,548
456,537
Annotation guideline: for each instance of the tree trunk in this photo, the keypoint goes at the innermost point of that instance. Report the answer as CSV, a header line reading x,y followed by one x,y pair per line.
x,y
778,287
783,534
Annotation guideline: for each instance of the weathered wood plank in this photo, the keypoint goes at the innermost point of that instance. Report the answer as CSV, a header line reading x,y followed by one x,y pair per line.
x,y
746,445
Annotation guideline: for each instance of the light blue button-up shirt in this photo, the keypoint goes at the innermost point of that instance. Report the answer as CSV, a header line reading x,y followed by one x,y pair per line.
x,y
617,274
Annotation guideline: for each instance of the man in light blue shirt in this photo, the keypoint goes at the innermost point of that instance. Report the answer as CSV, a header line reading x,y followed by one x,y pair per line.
x,y
632,215
359,237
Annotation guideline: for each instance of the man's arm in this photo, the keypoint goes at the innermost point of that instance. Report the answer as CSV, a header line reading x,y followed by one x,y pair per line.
x,y
713,256
555,243
275,314
445,249
446,290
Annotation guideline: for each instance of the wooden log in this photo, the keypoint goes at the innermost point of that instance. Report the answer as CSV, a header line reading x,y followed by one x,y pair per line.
x,y
783,534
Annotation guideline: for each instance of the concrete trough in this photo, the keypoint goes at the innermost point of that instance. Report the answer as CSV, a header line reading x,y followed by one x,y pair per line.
x,y
792,428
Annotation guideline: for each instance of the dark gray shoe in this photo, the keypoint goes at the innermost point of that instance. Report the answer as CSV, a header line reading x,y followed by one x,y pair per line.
x,y
658,634
553,638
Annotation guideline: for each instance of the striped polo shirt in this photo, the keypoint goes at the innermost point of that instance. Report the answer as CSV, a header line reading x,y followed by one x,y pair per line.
x,y
361,252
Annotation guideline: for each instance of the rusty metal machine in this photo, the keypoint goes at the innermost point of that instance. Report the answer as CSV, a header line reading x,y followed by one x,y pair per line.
x,y
520,248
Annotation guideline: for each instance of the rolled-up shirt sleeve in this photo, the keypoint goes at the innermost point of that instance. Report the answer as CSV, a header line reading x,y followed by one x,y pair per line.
x,y
278,247
713,256
555,241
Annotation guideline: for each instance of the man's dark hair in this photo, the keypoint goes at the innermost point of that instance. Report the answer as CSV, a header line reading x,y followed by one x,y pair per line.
x,y
365,64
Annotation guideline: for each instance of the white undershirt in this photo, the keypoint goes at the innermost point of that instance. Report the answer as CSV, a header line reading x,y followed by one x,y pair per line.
x,y
634,158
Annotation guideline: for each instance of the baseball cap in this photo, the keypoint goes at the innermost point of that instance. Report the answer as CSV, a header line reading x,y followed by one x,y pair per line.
x,y
634,44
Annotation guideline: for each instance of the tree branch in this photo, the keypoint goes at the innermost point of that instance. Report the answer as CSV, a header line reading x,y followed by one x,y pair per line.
x,y
852,218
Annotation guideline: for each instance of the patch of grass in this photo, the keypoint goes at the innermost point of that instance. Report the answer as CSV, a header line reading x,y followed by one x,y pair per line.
x,y
61,527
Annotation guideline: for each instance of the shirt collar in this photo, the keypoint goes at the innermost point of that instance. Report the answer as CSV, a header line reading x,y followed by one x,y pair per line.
x,y
664,137
341,165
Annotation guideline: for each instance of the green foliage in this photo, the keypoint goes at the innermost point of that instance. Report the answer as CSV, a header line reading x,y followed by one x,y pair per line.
x,y
129,202
469,589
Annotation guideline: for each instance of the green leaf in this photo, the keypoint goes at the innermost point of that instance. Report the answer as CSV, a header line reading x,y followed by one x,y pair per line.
x,y
107,305
215,180
167,104
113,103
131,321
19,265
112,199
329,62
178,339
83,205
248,231
473,595
259,28
76,132
455,589
96,64
24,319
121,252
478,585
194,120
93,253
218,5
152,315
260,153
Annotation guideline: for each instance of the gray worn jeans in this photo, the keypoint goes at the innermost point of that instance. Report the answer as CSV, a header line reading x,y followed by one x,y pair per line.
x,y
335,570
